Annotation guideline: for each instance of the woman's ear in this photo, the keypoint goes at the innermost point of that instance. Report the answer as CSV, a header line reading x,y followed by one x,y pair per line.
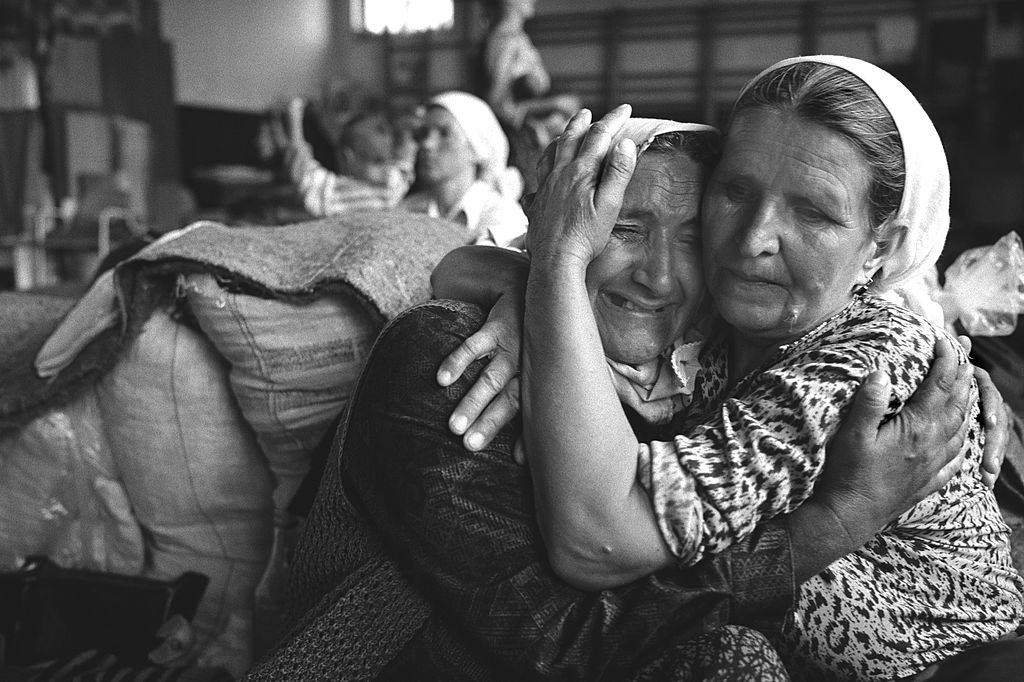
x,y
888,238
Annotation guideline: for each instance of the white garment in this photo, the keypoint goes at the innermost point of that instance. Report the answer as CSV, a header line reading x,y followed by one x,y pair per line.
x,y
661,387
643,131
490,217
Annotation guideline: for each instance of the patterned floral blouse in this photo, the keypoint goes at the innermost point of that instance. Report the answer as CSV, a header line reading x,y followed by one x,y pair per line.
x,y
934,582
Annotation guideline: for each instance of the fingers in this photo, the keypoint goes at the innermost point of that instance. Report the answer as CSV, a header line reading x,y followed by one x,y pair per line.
x,y
582,139
997,427
966,342
945,474
943,398
618,170
568,143
546,162
994,455
993,414
519,452
480,344
495,416
494,379
599,137
992,406
869,406
955,444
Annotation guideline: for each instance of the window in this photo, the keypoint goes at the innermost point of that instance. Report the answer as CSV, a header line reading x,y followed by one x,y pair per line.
x,y
402,16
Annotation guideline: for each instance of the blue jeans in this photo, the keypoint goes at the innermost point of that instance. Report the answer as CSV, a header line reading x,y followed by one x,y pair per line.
x,y
459,527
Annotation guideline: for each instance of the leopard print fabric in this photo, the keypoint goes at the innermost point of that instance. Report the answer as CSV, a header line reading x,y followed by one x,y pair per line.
x,y
935,582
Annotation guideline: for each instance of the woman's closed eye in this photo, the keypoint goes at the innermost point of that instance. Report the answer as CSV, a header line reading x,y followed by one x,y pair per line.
x,y
689,237
812,216
735,191
628,233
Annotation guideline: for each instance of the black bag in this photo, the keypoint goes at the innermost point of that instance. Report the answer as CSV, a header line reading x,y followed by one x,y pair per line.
x,y
48,612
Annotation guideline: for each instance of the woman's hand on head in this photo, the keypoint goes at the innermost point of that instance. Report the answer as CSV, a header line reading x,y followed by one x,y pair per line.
x,y
581,182
493,399
875,471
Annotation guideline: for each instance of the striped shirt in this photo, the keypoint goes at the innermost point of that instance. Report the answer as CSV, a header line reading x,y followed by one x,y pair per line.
x,y
327,194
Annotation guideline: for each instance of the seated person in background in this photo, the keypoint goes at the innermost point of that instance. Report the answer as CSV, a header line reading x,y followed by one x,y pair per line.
x,y
374,171
462,526
462,171
832,186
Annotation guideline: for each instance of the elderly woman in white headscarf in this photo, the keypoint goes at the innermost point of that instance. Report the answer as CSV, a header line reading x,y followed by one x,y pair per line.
x,y
462,171
832,188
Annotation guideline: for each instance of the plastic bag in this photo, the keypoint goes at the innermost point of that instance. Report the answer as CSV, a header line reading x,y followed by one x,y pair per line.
x,y
985,288
60,494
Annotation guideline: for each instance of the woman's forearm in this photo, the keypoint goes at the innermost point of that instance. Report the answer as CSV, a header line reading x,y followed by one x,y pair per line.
x,y
596,520
480,275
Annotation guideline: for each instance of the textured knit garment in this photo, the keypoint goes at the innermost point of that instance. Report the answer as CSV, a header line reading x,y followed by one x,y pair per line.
x,y
422,560
937,581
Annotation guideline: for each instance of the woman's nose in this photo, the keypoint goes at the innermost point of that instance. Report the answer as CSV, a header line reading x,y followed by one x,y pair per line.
x,y
656,270
757,234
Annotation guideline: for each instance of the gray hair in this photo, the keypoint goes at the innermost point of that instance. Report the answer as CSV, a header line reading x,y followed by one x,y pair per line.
x,y
837,99
703,146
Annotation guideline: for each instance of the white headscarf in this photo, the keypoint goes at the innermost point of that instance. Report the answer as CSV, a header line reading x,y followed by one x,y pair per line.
x,y
643,131
924,209
477,120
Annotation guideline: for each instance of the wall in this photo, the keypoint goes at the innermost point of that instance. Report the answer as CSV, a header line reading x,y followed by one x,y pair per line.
x,y
247,55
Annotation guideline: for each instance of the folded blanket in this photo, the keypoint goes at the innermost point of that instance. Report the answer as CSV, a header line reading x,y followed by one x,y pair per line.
x,y
382,258
26,320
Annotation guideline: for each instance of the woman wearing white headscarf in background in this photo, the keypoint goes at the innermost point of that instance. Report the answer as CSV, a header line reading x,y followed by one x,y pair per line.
x,y
832,187
462,171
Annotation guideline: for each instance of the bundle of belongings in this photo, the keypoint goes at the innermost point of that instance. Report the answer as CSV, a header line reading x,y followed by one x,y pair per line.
x,y
154,432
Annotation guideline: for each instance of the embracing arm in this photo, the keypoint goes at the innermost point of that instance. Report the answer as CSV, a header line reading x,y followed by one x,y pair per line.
x,y
582,450
480,275
591,510
874,471
494,279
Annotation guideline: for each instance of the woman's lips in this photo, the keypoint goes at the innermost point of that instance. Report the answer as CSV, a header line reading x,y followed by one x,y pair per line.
x,y
622,302
752,278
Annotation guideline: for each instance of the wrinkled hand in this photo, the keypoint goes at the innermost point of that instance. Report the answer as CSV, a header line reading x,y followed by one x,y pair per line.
x,y
874,473
493,400
580,188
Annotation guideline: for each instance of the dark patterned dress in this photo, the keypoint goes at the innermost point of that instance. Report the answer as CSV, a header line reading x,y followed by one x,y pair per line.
x,y
933,583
